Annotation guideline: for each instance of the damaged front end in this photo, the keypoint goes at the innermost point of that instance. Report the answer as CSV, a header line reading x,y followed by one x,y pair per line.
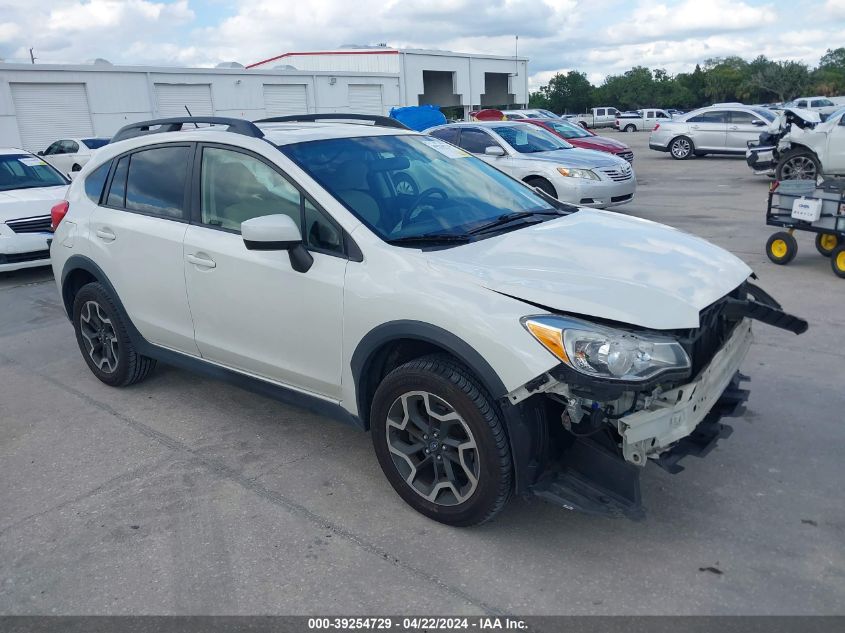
x,y
600,433
763,154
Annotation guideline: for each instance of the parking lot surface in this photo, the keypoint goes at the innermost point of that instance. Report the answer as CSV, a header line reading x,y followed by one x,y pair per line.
x,y
182,495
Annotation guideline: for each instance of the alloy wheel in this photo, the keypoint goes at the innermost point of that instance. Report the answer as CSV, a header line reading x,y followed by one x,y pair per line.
x,y
432,448
799,168
99,335
681,148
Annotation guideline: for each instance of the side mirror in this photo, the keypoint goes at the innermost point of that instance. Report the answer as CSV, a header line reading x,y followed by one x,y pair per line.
x,y
277,233
494,150
758,123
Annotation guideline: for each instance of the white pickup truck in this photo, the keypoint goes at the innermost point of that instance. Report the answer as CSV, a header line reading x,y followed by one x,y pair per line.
x,y
597,117
646,120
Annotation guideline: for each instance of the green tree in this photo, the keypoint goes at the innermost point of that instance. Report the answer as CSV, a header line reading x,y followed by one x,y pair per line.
x,y
829,78
724,78
783,80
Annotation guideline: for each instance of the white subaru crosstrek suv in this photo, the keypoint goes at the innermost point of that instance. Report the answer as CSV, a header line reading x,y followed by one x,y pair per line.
x,y
29,187
492,339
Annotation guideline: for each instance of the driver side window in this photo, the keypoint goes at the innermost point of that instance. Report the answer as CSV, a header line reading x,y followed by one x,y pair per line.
x,y
475,141
236,187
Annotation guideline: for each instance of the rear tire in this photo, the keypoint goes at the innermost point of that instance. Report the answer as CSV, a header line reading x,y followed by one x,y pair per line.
x,y
781,248
103,338
630,128
826,243
440,440
681,148
837,261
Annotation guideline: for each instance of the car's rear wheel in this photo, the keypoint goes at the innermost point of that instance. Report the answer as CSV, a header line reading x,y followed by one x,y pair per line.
x,y
798,164
681,148
103,338
630,128
440,441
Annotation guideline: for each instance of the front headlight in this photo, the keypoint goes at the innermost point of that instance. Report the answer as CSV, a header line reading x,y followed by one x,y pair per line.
x,y
604,352
571,172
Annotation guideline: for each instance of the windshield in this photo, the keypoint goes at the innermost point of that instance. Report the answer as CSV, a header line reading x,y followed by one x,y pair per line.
x,y
24,171
95,143
548,113
529,139
410,185
568,130
765,113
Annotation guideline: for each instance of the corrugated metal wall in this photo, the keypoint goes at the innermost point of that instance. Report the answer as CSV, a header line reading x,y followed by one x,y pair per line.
x,y
47,112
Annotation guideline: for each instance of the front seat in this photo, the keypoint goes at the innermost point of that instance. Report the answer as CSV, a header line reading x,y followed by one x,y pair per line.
x,y
352,188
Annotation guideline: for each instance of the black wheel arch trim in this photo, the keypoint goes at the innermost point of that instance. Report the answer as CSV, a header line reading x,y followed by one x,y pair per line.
x,y
284,394
523,422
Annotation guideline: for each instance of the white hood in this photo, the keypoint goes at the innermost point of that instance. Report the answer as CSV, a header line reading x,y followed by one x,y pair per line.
x,y
27,203
601,264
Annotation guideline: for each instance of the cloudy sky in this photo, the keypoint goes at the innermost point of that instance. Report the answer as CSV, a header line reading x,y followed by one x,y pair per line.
x,y
600,37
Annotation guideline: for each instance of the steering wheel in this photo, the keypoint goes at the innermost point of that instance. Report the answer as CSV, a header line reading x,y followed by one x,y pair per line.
x,y
405,185
427,193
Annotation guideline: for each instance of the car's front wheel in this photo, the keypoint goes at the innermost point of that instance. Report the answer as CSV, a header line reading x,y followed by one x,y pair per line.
x,y
681,148
103,338
441,442
798,164
630,128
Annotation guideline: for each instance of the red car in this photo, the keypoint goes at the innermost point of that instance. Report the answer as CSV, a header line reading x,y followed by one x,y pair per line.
x,y
579,137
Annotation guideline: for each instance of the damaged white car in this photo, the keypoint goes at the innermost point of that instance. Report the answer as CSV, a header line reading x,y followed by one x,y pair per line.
x,y
800,146
492,340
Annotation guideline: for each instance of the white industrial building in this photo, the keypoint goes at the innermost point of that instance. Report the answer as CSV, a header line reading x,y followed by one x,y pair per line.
x,y
442,78
42,103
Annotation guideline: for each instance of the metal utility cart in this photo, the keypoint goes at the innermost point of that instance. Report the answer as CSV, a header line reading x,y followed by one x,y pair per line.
x,y
804,205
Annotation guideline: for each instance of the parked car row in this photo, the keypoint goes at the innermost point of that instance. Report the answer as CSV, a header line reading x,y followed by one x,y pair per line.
x,y
492,339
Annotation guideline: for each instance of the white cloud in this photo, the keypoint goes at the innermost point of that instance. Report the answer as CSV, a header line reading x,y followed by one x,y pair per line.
x,y
650,21
835,9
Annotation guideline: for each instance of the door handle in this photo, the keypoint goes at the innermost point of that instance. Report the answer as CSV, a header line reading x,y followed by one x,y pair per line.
x,y
733,127
202,262
694,127
106,235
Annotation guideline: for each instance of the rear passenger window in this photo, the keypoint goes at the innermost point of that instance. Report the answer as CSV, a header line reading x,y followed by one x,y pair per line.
x,y
475,141
156,181
117,191
94,182
450,134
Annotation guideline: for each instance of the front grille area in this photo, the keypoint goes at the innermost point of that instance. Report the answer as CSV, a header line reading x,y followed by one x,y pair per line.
x,y
619,174
40,224
629,156
18,258
703,342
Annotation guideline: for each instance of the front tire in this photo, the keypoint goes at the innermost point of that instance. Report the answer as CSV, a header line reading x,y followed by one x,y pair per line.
x,y
826,243
630,128
440,440
103,338
681,148
837,261
542,184
798,164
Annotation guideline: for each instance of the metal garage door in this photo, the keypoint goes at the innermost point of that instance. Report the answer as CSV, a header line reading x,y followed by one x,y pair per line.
x,y
172,99
49,112
280,100
365,98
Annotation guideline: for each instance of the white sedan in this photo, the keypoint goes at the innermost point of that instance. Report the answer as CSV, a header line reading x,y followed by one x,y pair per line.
x,y
29,187
69,155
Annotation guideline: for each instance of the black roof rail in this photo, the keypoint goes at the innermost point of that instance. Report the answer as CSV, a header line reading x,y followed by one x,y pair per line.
x,y
375,119
142,128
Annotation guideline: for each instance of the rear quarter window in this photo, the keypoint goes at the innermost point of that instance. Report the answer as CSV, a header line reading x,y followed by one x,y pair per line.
x,y
95,181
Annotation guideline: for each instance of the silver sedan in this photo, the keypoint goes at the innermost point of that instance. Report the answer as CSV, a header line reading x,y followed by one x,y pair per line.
x,y
717,129
541,159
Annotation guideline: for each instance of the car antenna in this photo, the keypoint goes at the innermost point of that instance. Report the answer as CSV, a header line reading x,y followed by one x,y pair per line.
x,y
189,114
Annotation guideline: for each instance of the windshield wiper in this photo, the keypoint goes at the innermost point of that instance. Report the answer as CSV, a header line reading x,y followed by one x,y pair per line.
x,y
431,238
507,218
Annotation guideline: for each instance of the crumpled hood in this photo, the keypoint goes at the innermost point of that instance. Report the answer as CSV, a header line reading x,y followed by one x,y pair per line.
x,y
600,264
25,203
578,158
